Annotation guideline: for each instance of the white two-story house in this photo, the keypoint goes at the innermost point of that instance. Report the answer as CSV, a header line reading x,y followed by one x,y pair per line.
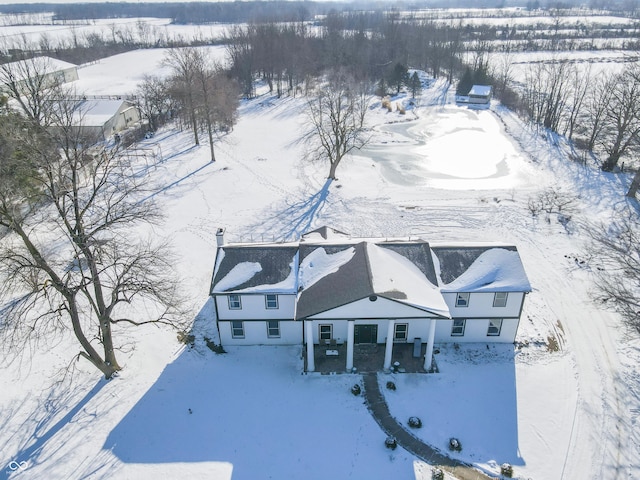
x,y
329,288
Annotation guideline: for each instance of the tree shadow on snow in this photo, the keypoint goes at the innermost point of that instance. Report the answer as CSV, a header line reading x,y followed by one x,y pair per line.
x,y
291,222
40,426
196,412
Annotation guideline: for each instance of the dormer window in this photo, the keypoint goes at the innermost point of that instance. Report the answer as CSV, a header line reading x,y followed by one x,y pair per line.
x,y
271,301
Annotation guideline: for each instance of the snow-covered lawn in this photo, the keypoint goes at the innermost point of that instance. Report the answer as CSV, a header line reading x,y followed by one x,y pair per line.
x,y
450,174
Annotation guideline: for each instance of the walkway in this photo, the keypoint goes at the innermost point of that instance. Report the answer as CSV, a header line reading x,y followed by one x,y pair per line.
x,y
380,411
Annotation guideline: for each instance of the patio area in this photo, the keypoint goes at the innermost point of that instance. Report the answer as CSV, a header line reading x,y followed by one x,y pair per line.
x,y
367,357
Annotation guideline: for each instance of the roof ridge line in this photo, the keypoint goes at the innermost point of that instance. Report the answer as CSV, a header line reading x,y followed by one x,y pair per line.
x,y
369,270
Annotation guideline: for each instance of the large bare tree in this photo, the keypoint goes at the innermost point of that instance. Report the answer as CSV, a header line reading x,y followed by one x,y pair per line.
x,y
337,120
622,117
208,96
153,101
72,258
616,247
184,85
30,84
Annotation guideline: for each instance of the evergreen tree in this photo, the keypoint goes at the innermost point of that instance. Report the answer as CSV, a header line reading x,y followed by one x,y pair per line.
x,y
399,76
414,85
465,83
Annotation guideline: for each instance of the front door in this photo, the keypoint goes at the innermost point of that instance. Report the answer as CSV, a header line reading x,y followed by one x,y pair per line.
x,y
365,334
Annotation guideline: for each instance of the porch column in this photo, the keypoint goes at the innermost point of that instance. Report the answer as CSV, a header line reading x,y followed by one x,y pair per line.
x,y
308,328
388,350
350,328
429,354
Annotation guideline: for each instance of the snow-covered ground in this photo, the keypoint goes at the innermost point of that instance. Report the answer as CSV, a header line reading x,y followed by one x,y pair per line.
x,y
441,172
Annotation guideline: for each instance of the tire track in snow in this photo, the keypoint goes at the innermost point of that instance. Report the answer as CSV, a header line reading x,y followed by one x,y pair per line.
x,y
596,413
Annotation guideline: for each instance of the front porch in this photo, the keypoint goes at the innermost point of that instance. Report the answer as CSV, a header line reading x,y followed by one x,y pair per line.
x,y
367,357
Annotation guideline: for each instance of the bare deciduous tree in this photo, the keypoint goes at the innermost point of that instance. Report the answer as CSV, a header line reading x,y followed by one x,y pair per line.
x,y
208,97
31,83
154,101
617,250
184,63
217,98
337,119
622,117
596,104
70,259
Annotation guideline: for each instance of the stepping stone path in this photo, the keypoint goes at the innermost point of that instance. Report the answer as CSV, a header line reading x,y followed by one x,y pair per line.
x,y
431,455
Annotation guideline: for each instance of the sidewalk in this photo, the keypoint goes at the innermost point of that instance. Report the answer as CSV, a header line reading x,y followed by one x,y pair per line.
x,y
380,411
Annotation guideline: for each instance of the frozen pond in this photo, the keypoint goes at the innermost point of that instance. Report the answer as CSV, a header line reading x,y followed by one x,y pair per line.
x,y
457,148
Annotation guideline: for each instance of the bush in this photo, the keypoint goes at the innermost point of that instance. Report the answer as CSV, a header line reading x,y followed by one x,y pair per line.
x,y
356,390
213,346
187,339
391,442
437,474
506,470
391,386
415,422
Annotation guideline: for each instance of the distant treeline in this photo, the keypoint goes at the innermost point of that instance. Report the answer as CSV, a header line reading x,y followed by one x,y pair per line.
x,y
281,10
180,13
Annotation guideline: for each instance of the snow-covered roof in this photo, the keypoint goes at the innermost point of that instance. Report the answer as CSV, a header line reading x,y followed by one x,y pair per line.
x,y
333,276
97,112
480,269
254,269
324,233
330,274
395,276
480,90
43,65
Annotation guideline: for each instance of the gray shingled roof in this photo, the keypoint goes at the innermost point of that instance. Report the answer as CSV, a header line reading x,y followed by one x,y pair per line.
x,y
420,255
276,263
454,261
350,283
353,280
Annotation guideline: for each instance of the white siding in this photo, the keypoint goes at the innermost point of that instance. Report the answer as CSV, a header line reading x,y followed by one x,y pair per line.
x,y
365,308
481,305
418,328
475,331
255,307
255,333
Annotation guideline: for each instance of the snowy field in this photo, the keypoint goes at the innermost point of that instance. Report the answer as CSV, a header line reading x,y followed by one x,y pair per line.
x,y
145,30
440,172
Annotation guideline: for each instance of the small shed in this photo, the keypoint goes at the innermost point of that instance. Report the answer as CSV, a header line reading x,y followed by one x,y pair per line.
x,y
480,94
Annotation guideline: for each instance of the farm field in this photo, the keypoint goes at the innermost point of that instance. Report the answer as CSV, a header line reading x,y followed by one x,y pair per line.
x,y
561,404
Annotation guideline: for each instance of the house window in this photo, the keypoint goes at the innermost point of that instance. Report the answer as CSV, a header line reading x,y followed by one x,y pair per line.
x,y
500,299
273,329
462,300
457,329
326,333
237,329
234,302
400,332
495,325
271,301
